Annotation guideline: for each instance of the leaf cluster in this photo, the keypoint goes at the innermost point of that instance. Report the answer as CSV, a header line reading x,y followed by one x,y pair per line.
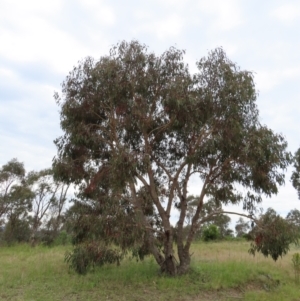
x,y
273,235
92,254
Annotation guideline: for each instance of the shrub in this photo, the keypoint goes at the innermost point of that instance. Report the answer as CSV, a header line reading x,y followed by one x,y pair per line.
x,y
211,233
89,255
273,236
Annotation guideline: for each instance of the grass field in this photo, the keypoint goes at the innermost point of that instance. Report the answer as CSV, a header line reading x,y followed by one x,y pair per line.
x,y
220,271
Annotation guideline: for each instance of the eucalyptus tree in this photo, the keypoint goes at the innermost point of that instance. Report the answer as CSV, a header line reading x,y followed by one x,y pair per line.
x,y
11,176
49,198
242,227
136,120
296,172
293,216
58,209
15,201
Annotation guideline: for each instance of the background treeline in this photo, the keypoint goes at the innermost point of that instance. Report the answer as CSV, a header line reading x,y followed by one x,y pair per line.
x,y
36,208
32,205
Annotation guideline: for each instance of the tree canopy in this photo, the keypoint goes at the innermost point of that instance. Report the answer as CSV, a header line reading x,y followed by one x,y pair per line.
x,y
135,122
15,197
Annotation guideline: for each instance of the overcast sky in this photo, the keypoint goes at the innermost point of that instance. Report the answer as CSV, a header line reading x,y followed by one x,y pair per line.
x,y
42,40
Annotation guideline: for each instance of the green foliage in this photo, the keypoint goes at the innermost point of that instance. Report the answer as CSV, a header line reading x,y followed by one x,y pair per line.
x,y
296,173
242,227
49,197
273,235
92,225
85,257
62,239
15,195
16,230
211,233
27,200
15,203
294,218
51,238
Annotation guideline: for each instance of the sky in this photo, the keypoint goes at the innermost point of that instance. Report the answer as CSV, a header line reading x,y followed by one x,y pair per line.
x,y
41,41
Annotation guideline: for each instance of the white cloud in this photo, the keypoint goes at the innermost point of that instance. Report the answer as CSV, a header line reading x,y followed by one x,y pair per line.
x,y
170,26
287,13
291,73
102,12
6,74
36,40
268,79
171,4
141,14
29,124
227,14
36,156
31,33
14,9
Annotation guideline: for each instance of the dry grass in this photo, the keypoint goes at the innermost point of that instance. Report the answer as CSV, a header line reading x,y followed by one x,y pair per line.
x,y
220,271
238,252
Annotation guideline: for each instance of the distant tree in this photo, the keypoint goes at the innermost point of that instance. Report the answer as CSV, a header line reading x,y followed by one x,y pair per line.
x,y
242,227
211,214
11,176
138,121
17,217
296,173
15,201
27,200
222,222
294,217
44,194
56,219
49,197
17,229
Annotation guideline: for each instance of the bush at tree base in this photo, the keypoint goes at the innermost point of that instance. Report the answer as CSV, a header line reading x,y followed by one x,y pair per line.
x,y
96,228
90,255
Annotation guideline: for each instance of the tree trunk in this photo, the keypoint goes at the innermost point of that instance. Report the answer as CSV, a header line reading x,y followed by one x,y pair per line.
x,y
184,261
169,265
167,261
33,238
34,232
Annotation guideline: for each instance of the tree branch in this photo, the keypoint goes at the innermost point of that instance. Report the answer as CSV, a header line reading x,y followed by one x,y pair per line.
x,y
209,216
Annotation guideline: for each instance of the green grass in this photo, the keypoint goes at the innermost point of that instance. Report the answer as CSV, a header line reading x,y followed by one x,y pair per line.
x,y
220,271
